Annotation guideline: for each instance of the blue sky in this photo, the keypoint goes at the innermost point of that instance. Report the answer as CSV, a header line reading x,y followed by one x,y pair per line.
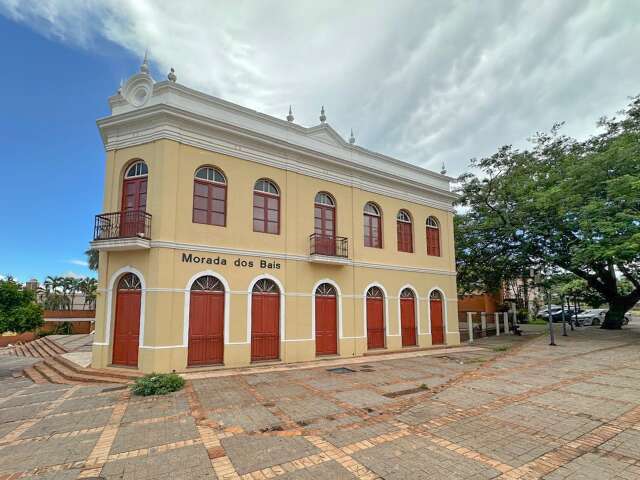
x,y
425,81
51,153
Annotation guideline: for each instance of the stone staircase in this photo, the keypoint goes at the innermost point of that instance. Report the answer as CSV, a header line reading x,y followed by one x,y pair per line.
x,y
58,369
43,347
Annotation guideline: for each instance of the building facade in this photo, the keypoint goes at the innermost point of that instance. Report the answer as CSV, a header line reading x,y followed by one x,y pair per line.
x,y
230,237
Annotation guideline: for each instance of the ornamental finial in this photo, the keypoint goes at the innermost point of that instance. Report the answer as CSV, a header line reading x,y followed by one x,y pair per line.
x,y
172,75
144,68
352,138
290,116
323,117
444,170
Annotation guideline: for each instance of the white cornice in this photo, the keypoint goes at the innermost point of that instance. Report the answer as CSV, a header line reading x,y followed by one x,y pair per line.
x,y
178,113
167,122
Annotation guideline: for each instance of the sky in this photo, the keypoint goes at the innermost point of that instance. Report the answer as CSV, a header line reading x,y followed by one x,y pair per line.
x,y
428,82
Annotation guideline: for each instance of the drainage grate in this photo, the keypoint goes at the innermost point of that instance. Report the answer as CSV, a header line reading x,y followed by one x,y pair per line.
x,y
340,370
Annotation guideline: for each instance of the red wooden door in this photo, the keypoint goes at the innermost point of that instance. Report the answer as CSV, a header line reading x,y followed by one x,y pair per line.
x,y
437,324
134,201
408,320
206,328
265,326
126,333
326,321
325,229
375,322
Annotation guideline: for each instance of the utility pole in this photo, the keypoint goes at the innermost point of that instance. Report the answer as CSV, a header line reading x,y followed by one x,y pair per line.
x,y
564,321
552,338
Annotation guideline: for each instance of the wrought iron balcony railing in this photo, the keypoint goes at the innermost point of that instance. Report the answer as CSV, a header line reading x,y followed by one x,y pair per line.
x,y
329,246
125,224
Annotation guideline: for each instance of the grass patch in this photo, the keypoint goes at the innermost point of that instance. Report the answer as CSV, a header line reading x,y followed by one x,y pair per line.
x,y
157,384
501,348
424,386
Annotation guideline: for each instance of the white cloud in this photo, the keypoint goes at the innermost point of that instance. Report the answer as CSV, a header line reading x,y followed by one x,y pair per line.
x,y
72,274
80,263
426,82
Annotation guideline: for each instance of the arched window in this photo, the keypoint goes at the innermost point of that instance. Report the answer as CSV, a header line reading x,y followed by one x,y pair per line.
x,y
137,169
326,290
266,207
207,283
129,281
407,293
265,285
372,226
435,295
405,232
210,197
375,292
433,237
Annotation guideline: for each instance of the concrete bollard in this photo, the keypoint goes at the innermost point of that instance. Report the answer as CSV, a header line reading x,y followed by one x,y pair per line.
x,y
483,323
470,325
506,323
497,320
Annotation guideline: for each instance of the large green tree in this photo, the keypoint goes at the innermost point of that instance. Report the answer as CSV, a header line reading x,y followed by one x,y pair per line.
x,y
568,204
19,311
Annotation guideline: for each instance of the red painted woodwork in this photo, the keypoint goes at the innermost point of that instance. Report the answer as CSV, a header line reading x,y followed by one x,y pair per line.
x,y
126,332
265,326
372,231
408,321
206,328
375,322
325,228
134,200
209,203
266,212
433,241
405,242
437,324
326,325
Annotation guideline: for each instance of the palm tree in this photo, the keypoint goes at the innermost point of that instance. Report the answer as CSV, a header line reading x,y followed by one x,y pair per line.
x,y
93,258
89,288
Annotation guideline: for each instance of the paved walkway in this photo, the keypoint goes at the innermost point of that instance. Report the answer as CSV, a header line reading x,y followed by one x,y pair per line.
x,y
534,411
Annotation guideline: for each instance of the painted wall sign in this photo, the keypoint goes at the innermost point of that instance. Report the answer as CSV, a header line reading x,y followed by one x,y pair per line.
x,y
238,262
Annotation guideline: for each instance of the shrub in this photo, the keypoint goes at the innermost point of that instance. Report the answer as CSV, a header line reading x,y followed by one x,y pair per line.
x,y
157,384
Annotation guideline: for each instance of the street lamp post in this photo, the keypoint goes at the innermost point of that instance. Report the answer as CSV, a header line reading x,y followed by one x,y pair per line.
x,y
564,320
552,337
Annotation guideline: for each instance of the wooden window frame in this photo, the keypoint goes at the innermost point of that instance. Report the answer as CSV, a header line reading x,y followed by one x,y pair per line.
x,y
211,185
433,248
400,224
368,235
265,220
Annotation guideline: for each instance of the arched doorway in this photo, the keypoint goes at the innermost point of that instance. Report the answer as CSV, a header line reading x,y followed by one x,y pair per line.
x,y
375,318
206,322
265,321
326,308
134,200
437,318
126,331
408,317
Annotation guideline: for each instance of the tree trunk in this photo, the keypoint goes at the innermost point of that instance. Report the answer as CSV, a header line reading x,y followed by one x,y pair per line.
x,y
618,306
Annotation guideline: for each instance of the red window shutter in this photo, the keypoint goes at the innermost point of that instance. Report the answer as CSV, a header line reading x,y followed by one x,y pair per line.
x,y
209,203
266,213
405,242
433,242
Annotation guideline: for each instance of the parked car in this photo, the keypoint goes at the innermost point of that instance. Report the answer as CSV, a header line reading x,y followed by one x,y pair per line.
x,y
596,317
556,314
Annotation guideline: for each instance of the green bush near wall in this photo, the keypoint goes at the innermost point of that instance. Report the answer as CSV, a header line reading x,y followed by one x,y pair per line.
x,y
157,384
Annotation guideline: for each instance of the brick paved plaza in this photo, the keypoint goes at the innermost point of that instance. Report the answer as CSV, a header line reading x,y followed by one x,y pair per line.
x,y
534,411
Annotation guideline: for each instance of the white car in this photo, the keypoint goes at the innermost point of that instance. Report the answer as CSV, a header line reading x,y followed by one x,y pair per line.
x,y
595,317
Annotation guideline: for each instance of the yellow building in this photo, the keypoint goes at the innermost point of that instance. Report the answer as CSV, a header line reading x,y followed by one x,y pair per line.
x,y
231,237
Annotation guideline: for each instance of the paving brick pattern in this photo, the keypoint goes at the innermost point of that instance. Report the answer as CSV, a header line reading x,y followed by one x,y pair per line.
x,y
570,412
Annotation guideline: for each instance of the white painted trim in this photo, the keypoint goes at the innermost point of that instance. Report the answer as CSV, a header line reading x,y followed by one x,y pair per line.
x,y
416,307
339,307
187,304
444,313
286,256
386,309
116,244
114,277
282,302
102,344
162,347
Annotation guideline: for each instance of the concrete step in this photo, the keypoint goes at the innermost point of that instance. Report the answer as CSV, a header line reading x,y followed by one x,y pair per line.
x,y
39,349
69,374
50,375
29,350
55,346
35,376
122,374
46,347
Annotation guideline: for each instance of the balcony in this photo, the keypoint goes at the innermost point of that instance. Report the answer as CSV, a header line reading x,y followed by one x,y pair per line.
x,y
329,249
126,230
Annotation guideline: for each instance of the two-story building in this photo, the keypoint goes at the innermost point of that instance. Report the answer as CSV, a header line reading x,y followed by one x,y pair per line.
x,y
230,237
